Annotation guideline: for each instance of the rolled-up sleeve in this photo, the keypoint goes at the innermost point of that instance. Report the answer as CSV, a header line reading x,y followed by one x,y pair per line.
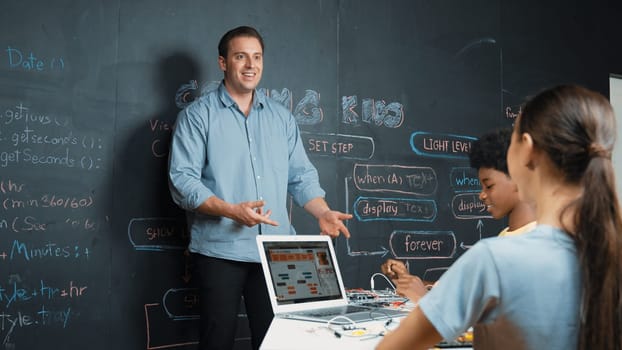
x,y
187,156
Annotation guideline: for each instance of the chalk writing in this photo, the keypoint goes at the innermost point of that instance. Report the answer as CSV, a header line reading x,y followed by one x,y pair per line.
x,y
284,97
9,185
510,114
395,178
86,224
160,125
433,274
30,62
159,148
394,209
27,155
27,223
160,144
381,251
468,206
185,94
15,198
47,251
90,163
464,179
31,223
441,145
308,110
31,211
16,294
164,332
29,137
43,317
181,303
374,112
157,234
31,132
21,113
48,201
422,244
338,145
64,158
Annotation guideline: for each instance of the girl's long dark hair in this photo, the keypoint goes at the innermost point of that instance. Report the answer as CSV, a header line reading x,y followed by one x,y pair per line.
x,y
576,128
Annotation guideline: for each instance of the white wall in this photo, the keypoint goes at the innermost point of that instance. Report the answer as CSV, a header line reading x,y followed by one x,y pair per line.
x,y
615,96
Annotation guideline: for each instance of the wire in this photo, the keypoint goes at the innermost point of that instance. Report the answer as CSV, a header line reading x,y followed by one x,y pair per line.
x,y
340,317
352,329
336,333
371,280
388,323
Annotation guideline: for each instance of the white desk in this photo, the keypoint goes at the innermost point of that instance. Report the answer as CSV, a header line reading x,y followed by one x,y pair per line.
x,y
287,334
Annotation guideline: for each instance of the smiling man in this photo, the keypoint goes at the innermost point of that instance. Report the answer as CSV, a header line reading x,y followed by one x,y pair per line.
x,y
235,156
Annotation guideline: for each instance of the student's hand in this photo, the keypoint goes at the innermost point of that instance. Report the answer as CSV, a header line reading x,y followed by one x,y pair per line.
x,y
251,214
393,268
410,286
331,223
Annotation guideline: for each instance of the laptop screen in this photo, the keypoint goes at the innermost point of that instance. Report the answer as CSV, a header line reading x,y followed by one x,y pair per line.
x,y
302,271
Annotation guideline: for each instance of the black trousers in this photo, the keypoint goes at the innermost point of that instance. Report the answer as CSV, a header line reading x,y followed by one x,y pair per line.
x,y
221,285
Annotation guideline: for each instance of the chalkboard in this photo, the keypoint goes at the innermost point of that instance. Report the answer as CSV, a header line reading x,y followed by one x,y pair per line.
x,y
388,97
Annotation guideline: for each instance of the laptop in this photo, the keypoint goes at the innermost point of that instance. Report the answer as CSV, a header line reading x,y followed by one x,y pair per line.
x,y
304,281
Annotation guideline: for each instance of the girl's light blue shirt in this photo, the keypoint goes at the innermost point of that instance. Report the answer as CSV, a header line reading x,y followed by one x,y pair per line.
x,y
520,292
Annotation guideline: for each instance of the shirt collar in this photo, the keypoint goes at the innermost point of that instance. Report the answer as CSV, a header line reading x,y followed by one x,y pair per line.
x,y
259,98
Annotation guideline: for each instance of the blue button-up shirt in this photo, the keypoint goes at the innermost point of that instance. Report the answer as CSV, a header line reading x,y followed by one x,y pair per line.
x,y
218,151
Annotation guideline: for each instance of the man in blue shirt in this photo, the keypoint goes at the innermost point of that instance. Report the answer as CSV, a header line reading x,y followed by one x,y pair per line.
x,y
235,156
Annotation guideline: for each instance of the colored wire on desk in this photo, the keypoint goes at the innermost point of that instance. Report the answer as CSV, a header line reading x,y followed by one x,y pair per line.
x,y
371,281
388,323
350,321
381,333
337,333
355,331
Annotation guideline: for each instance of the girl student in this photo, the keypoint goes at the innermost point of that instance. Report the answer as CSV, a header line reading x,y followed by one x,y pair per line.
x,y
558,287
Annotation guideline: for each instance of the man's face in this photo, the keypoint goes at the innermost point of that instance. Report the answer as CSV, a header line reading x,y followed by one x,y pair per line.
x,y
499,192
243,65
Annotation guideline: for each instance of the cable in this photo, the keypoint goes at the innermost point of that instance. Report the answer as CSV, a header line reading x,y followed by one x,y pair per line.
x,y
340,317
348,330
336,332
389,322
371,281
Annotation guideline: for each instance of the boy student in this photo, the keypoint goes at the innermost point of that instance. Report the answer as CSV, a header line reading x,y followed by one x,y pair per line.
x,y
560,159
499,193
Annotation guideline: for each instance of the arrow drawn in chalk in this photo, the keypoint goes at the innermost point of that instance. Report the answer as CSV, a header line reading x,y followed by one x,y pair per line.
x,y
382,252
479,226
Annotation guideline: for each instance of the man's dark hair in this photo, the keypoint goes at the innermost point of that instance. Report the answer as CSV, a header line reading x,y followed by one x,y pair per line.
x,y
491,149
223,45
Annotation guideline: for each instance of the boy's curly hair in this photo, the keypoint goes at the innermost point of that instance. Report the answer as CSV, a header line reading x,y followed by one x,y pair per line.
x,y
491,149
